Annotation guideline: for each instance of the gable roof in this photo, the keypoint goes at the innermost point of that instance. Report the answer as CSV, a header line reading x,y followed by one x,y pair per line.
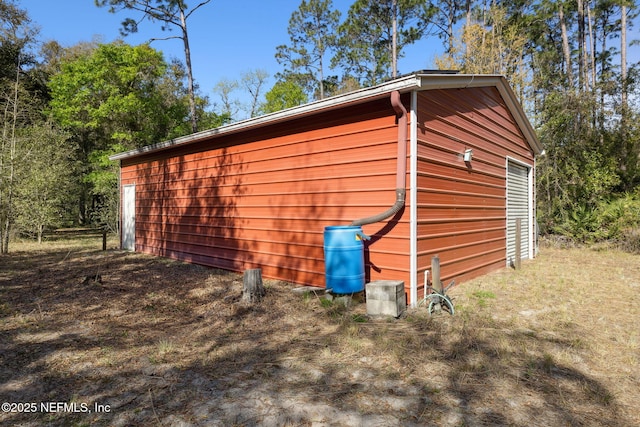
x,y
417,82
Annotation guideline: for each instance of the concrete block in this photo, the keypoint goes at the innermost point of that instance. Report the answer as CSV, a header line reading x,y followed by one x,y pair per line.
x,y
386,298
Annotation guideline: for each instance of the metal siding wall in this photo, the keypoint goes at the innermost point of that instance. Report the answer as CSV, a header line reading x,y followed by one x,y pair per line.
x,y
517,207
262,198
462,208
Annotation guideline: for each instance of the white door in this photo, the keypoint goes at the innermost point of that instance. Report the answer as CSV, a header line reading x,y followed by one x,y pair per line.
x,y
518,206
129,217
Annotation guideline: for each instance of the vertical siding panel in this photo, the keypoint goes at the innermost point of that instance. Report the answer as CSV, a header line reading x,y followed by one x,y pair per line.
x,y
462,208
262,198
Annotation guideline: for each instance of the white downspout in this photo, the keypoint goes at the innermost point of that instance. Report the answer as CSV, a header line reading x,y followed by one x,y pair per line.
x,y
413,199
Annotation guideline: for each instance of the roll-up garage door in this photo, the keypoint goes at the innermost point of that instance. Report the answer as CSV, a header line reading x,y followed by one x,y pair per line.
x,y
517,207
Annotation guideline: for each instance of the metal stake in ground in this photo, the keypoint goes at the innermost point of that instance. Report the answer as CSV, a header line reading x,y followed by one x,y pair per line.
x,y
437,296
436,283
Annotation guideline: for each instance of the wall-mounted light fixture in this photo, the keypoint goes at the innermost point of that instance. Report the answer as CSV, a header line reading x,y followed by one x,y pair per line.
x,y
468,155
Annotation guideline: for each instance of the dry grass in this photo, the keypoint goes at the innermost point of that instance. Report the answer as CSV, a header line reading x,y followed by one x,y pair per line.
x,y
166,343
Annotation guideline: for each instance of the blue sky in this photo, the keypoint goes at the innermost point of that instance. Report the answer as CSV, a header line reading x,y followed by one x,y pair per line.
x,y
227,38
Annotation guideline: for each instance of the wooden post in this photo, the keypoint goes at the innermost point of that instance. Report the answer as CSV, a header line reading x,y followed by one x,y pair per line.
x,y
104,240
252,287
436,284
518,259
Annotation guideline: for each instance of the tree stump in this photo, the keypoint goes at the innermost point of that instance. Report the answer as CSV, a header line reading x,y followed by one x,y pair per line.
x,y
252,287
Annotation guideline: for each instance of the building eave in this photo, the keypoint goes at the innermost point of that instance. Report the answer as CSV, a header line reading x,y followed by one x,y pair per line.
x,y
413,82
404,84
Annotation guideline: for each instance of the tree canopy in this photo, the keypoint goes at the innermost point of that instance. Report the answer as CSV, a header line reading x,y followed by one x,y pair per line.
x,y
172,14
313,34
116,94
365,45
284,94
567,62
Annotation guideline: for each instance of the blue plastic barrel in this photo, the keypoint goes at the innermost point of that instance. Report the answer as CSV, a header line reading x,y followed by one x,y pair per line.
x,y
344,259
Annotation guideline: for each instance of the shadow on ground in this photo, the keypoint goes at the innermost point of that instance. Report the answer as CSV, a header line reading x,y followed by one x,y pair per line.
x,y
166,343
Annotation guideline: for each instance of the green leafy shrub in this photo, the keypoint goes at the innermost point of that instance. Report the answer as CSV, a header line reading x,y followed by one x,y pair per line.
x,y
620,215
620,219
616,221
581,224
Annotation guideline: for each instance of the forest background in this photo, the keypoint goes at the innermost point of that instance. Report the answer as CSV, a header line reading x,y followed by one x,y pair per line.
x,y
64,110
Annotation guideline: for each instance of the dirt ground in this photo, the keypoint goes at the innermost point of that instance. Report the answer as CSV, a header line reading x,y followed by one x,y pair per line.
x,y
158,342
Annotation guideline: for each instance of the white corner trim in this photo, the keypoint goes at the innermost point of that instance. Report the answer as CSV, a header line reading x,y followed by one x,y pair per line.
x,y
413,200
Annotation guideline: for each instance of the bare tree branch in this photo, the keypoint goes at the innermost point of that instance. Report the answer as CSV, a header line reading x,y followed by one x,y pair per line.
x,y
196,8
155,39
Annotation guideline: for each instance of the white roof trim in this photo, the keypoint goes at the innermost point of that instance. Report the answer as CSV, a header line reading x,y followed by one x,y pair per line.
x,y
403,84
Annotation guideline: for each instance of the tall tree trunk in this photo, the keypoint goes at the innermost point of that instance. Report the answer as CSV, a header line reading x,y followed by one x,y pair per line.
x,y
492,52
4,209
190,86
628,156
623,58
321,75
451,20
584,83
483,43
565,47
8,220
394,39
592,47
466,25
603,65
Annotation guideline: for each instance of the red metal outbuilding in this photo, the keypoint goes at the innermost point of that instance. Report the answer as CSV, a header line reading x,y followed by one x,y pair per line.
x,y
258,193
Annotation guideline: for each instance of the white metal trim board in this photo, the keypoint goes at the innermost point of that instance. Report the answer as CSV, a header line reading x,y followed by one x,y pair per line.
x,y
413,200
129,217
